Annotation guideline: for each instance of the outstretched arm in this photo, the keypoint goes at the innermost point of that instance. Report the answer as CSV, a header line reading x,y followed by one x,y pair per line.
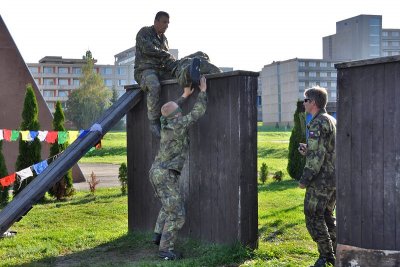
x,y
187,91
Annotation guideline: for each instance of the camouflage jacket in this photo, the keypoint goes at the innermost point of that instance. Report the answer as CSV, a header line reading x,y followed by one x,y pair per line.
x,y
152,51
174,143
319,171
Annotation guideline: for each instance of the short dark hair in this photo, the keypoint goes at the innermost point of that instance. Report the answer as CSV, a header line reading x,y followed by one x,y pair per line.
x,y
161,14
318,94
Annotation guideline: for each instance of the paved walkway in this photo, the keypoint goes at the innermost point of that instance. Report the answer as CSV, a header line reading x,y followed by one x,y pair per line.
x,y
105,172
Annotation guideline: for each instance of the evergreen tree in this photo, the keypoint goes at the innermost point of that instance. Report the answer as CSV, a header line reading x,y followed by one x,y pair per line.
x,y
87,103
64,187
3,172
296,161
29,152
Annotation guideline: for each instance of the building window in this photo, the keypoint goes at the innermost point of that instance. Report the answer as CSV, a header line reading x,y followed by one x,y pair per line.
x,y
302,64
302,84
302,74
323,74
76,70
63,93
259,100
395,34
37,81
108,82
48,93
332,64
121,82
385,43
106,71
312,74
323,84
333,74
47,69
323,64
62,81
395,53
385,54
333,95
33,69
385,34
62,70
333,84
76,82
63,105
47,81
121,71
50,105
312,64
395,43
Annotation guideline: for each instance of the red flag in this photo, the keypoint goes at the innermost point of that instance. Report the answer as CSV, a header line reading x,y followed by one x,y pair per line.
x,y
6,181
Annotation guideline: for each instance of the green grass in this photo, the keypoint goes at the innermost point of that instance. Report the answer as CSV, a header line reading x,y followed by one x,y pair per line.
x,y
91,230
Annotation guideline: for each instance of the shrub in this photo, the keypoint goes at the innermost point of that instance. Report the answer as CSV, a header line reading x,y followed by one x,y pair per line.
x,y
93,182
123,178
278,176
263,172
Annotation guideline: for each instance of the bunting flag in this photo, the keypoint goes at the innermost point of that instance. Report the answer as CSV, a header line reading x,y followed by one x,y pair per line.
x,y
39,167
25,173
14,135
42,135
72,136
1,135
62,137
8,180
7,134
34,134
51,137
26,136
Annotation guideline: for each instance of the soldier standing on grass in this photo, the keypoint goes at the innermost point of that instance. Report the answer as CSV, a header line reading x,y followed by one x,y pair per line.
x,y
153,63
167,166
319,175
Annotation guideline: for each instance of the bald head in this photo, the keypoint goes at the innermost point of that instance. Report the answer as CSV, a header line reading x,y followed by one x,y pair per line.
x,y
168,108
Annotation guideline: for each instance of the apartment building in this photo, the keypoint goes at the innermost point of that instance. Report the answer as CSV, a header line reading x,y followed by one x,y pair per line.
x,y
283,84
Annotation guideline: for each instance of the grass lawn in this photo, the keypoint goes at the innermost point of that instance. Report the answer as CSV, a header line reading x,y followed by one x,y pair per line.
x,y
91,230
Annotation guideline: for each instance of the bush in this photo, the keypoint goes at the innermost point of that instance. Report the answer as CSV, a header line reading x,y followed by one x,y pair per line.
x,y
93,182
278,175
263,172
123,178
296,161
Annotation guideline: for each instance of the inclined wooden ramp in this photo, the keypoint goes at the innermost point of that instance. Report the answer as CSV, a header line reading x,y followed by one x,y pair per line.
x,y
35,190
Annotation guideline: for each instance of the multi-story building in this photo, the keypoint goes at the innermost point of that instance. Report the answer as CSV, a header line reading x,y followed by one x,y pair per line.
x,y
284,83
56,77
361,37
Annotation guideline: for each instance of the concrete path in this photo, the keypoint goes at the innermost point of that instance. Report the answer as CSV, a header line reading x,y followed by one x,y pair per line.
x,y
105,172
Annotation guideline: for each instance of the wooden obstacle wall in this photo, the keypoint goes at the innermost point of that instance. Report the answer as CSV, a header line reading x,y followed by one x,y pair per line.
x,y
219,179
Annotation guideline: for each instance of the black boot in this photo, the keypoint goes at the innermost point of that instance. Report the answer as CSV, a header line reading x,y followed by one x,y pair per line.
x,y
322,262
194,72
170,255
156,239
155,127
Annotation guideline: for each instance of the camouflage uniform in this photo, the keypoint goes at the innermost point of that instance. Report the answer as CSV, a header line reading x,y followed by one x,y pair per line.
x,y
153,63
319,179
165,172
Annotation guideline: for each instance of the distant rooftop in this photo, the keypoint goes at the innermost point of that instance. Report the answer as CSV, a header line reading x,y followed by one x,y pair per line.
x,y
60,60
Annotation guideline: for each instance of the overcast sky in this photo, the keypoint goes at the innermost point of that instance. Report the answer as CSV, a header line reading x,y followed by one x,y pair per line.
x,y
245,34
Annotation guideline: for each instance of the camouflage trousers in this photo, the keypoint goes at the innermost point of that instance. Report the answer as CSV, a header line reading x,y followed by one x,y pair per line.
x,y
149,80
319,205
172,213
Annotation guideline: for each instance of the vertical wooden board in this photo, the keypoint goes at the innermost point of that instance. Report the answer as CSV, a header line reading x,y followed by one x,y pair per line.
x,y
368,87
356,152
376,166
343,156
397,144
389,155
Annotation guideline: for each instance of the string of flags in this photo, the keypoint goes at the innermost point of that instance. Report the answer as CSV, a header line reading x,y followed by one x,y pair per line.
x,y
50,137
41,166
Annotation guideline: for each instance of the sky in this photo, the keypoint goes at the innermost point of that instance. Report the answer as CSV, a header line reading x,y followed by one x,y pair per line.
x,y
244,35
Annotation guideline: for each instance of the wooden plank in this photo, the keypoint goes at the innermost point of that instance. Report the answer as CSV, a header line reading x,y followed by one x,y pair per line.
x,y
396,186
376,166
343,157
389,155
356,256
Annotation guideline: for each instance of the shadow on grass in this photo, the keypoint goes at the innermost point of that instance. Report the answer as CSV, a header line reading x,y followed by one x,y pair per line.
x,y
271,152
278,186
107,151
134,249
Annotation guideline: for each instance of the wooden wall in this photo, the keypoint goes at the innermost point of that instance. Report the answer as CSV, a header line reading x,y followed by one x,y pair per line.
x,y
368,154
219,180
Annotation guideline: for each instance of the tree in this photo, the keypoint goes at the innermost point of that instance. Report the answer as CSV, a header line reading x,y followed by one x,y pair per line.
x,y
87,103
121,124
296,161
123,178
4,197
263,172
29,152
64,187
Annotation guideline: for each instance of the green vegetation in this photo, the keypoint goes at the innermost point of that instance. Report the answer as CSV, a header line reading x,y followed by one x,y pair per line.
x,y
91,230
4,191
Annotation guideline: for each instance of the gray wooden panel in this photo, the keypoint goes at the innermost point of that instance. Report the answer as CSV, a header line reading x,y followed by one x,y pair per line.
x,y
214,171
389,155
396,185
343,157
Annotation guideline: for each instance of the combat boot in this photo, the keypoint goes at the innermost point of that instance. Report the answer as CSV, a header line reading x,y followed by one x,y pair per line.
x,y
322,262
194,72
155,128
170,255
156,239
